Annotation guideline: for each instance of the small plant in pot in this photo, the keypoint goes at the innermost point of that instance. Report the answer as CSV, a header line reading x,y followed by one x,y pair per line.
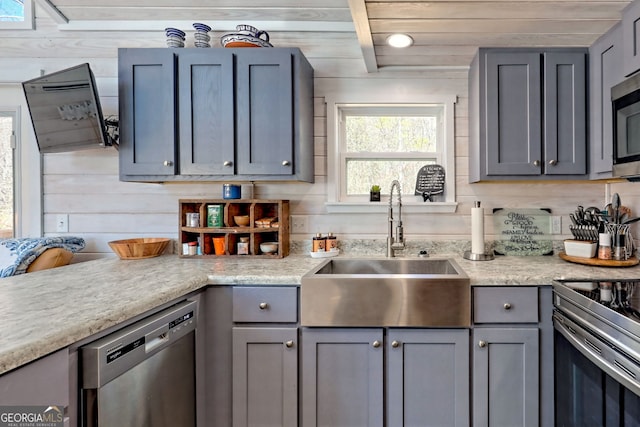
x,y
374,193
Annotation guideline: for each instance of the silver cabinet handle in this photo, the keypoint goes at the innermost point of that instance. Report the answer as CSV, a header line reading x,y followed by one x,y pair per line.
x,y
507,306
286,163
227,163
482,344
289,344
536,163
168,163
376,344
553,162
395,344
263,305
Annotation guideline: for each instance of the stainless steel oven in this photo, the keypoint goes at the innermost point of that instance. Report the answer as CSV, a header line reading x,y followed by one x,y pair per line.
x,y
144,374
597,353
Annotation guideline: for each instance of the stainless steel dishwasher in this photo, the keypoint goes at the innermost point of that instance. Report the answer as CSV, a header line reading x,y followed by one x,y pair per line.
x,y
144,374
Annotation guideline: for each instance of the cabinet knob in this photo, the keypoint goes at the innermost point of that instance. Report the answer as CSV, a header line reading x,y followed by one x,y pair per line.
x,y
289,344
168,163
227,163
395,344
553,162
507,306
376,344
536,163
482,344
286,163
263,305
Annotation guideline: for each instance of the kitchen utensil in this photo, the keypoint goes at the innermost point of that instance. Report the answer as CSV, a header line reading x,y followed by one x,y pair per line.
x,y
615,204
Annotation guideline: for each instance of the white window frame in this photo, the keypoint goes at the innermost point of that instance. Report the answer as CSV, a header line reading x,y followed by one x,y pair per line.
x,y
27,165
28,23
336,174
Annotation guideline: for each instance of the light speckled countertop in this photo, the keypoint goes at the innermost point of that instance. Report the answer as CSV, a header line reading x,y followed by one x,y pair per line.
x,y
45,311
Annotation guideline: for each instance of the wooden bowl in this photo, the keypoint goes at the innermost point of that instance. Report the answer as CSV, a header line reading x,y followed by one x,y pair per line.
x,y
145,247
241,220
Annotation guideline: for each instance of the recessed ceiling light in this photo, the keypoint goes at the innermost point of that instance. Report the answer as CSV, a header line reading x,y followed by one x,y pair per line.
x,y
399,40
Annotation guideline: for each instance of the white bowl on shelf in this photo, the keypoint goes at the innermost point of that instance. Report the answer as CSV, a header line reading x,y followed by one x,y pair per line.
x,y
269,247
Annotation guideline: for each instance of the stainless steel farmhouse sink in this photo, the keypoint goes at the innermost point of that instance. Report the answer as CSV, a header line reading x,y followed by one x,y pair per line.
x,y
386,292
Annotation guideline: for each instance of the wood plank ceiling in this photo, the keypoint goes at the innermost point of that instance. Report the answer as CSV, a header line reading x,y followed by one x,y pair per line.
x,y
446,33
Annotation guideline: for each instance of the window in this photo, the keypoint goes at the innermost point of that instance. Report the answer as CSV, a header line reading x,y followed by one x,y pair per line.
x,y
376,143
16,14
7,149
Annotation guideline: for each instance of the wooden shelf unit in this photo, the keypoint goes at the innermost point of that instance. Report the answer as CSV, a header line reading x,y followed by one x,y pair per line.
x,y
255,208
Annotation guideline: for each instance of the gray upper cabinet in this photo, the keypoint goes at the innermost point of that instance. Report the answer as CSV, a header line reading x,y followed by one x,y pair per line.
x,y
605,57
528,114
631,38
146,94
216,114
206,113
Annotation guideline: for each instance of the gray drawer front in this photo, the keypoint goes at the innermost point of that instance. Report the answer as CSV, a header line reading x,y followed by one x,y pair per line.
x,y
265,304
505,305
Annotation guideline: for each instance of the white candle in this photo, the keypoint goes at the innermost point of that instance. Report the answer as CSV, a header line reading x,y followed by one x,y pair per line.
x,y
477,229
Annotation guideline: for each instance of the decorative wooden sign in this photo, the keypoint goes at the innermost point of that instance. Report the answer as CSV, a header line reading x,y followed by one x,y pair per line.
x,y
522,232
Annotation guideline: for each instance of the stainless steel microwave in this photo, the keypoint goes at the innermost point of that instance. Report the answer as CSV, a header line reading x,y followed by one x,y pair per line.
x,y
625,99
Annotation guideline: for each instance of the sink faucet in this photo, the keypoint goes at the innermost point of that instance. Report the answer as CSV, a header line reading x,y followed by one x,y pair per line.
x,y
396,242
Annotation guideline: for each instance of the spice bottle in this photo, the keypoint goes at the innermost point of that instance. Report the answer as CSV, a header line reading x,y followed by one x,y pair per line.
x,y
332,243
619,247
318,243
604,246
243,246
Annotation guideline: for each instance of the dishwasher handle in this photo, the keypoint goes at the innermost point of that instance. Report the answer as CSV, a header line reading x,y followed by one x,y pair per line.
x,y
157,339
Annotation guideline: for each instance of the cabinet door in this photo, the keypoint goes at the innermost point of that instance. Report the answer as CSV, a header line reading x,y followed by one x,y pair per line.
x,y
42,382
605,57
265,377
146,90
342,378
264,112
513,113
565,106
206,105
428,377
631,38
506,377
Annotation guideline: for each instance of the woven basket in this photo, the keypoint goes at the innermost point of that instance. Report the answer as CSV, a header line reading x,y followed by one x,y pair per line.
x,y
145,247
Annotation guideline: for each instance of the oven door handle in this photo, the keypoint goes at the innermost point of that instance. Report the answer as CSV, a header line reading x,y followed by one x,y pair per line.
x,y
597,352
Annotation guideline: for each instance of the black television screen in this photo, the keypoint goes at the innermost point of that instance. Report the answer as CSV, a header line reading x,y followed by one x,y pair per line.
x,y
65,110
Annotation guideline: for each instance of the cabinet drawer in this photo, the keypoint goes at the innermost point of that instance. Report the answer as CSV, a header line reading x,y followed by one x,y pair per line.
x,y
505,305
265,304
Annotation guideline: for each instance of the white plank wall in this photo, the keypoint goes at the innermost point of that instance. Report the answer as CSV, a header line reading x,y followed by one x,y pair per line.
x,y
85,185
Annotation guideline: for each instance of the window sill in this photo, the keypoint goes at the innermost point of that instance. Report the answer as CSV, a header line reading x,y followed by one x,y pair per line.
x,y
383,206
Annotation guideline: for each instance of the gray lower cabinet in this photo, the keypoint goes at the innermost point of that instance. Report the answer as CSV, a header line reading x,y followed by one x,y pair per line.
x,y
512,354
215,114
344,382
264,356
605,57
528,114
44,382
265,377
505,380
